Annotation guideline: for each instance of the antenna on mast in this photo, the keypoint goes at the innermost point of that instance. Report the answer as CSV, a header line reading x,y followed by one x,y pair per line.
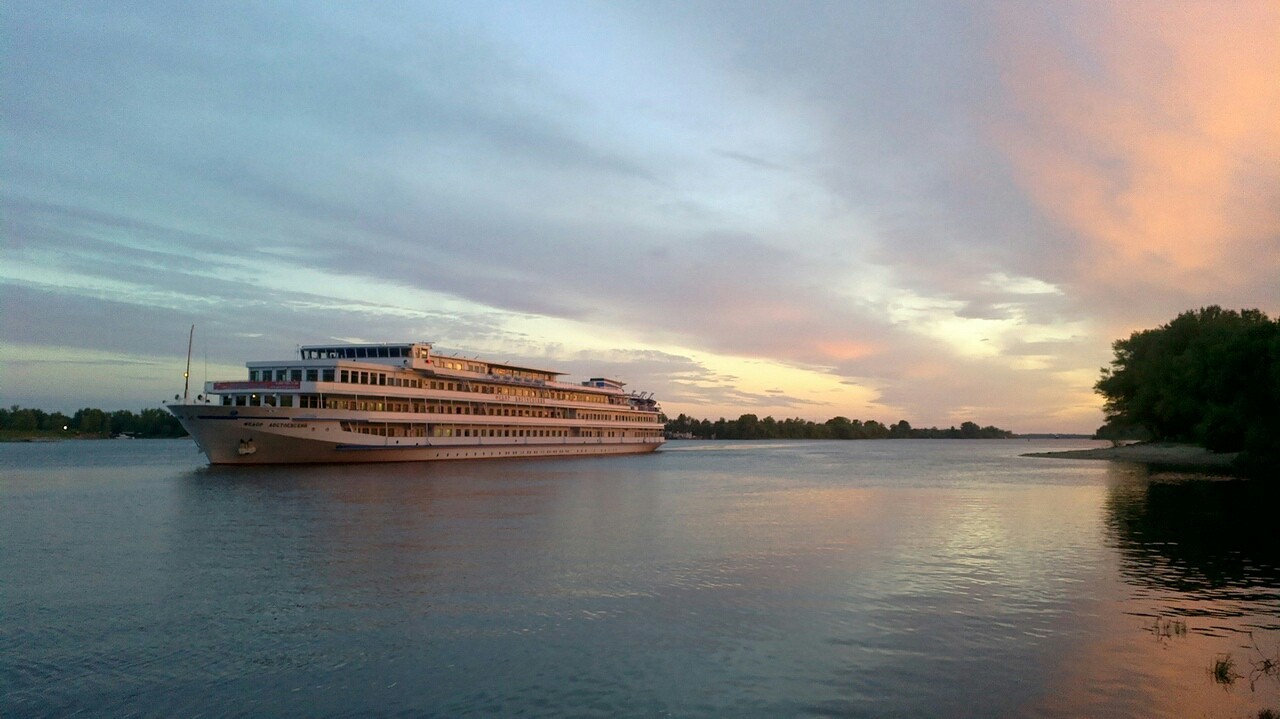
x,y
186,376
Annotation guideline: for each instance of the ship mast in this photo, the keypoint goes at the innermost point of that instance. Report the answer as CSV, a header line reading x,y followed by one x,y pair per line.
x,y
186,376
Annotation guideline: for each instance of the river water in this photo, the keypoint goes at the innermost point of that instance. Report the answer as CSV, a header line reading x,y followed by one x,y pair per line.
x,y
901,578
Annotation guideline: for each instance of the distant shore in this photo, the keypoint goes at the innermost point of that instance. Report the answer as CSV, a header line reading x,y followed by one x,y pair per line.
x,y
1168,453
51,436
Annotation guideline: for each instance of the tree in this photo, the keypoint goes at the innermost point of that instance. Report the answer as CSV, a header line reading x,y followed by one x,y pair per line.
x,y
124,422
872,429
23,420
1210,376
748,427
91,421
840,427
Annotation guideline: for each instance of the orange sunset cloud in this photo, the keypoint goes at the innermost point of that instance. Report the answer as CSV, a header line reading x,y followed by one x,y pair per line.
x,y
1146,135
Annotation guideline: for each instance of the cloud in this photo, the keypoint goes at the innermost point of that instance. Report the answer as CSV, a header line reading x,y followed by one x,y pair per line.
x,y
756,162
914,209
1149,134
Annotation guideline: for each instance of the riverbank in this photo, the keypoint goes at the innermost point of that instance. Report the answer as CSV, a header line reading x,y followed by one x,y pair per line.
x,y
1165,453
35,435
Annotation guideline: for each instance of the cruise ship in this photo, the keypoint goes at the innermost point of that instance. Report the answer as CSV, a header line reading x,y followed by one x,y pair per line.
x,y
405,403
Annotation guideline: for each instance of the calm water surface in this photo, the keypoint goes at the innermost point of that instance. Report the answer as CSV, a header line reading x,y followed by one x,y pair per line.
x,y
851,579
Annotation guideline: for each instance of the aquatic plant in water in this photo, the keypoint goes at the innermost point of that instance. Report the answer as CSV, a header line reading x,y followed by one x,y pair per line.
x,y
1166,629
1261,666
1223,670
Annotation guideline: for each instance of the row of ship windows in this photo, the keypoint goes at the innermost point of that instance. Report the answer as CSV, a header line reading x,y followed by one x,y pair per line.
x,y
464,365
392,405
482,388
422,430
348,376
286,375
383,379
601,417
447,431
360,352
497,370
388,404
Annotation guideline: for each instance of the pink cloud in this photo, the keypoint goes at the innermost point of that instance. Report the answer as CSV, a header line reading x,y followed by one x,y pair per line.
x,y
1146,130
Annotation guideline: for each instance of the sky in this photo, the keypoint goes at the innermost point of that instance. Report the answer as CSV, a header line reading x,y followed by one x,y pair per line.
x,y
931,211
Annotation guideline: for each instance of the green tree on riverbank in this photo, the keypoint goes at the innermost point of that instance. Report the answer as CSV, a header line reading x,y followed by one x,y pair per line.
x,y
89,422
20,419
1211,376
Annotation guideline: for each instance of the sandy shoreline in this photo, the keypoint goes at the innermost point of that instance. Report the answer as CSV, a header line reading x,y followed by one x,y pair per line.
x,y
1187,455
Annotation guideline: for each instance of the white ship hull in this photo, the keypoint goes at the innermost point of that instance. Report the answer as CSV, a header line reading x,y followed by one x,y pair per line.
x,y
278,435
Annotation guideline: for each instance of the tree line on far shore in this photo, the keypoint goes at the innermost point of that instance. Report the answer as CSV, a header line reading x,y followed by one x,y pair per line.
x,y
90,422
750,426
1211,376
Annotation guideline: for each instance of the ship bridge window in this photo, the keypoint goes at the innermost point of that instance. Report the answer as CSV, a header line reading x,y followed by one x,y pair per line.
x,y
313,375
327,375
296,375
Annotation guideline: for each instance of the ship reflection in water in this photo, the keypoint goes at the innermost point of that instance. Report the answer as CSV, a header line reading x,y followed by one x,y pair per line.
x,y
895,578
